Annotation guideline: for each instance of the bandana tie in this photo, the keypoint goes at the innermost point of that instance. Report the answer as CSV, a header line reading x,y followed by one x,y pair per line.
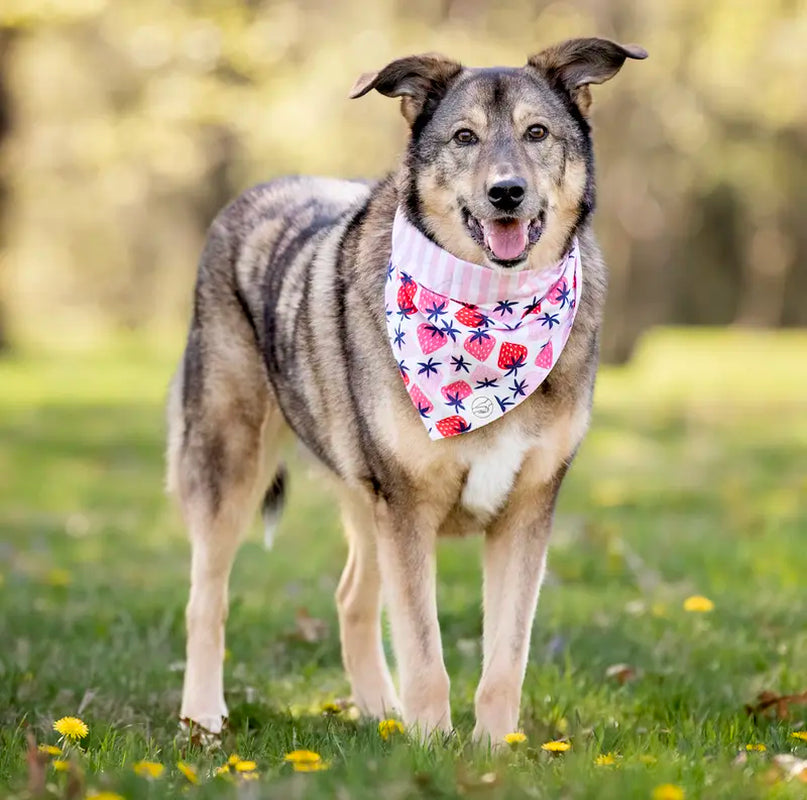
x,y
472,343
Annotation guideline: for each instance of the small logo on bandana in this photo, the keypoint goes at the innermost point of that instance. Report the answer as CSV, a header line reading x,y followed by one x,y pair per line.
x,y
472,343
482,407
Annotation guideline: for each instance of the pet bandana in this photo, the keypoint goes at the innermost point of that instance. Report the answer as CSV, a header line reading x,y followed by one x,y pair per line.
x,y
472,343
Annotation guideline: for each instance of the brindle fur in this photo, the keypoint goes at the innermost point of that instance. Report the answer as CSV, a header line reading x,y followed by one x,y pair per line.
x,y
288,337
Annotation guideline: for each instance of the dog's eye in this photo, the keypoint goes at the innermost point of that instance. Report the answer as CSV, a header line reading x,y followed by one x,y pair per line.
x,y
465,136
536,132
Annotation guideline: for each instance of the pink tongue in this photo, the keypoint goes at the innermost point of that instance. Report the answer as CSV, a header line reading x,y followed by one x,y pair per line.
x,y
507,239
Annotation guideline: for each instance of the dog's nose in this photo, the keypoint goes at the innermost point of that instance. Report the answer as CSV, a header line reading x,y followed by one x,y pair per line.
x,y
507,195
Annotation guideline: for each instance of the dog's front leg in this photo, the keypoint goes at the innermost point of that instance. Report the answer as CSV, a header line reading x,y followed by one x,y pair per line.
x,y
514,559
406,556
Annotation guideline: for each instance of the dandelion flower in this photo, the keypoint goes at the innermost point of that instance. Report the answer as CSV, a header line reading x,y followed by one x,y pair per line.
x,y
389,727
71,727
698,604
668,791
605,760
315,767
760,748
250,776
50,749
245,766
148,769
233,759
331,708
302,757
556,746
515,738
188,771
105,796
61,766
799,735
224,769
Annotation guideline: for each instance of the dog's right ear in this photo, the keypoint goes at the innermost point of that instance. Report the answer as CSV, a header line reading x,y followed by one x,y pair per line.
x,y
420,82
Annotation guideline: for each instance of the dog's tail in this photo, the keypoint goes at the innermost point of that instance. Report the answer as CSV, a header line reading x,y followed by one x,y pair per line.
x,y
272,507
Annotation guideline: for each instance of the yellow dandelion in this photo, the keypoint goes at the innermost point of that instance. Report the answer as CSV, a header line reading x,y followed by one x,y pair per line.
x,y
148,769
668,791
233,759
59,577
698,604
245,766
515,738
224,769
188,771
105,796
556,746
250,776
302,757
316,767
760,748
799,735
50,749
389,727
331,708
61,766
71,727
605,760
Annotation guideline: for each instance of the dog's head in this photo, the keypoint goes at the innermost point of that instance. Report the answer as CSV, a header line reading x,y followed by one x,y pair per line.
x,y
499,169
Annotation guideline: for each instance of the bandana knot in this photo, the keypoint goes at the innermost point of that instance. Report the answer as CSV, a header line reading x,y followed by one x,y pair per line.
x,y
472,343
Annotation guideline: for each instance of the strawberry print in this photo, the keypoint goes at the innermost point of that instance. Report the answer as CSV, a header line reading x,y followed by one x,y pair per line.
x,y
559,293
430,337
459,388
422,403
512,356
470,315
451,426
480,344
433,305
544,358
406,295
470,348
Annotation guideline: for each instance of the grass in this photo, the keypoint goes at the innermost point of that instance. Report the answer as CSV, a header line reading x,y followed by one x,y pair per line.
x,y
691,481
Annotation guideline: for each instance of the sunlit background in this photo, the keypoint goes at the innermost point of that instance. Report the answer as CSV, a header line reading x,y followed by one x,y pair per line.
x,y
126,125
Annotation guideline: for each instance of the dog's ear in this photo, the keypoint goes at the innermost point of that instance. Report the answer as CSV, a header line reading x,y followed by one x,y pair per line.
x,y
574,64
420,82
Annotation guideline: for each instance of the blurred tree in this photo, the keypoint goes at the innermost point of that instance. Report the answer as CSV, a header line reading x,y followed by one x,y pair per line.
x,y
6,36
135,121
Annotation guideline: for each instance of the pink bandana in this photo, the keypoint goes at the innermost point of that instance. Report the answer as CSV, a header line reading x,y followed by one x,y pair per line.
x,y
472,343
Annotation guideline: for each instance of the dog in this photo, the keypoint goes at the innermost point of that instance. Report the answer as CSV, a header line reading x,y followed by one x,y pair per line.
x,y
293,334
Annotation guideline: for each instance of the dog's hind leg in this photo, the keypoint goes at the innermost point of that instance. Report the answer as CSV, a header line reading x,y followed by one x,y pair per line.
x,y
358,600
221,419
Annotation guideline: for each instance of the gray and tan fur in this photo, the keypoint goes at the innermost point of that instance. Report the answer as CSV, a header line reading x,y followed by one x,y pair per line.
x,y
288,339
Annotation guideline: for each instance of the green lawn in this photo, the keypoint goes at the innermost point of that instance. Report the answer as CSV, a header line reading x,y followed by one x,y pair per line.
x,y
691,482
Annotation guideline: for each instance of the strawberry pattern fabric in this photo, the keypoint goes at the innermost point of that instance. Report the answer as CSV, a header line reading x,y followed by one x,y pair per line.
x,y
471,343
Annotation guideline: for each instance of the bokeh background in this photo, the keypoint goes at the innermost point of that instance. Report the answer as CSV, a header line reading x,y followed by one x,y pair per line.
x,y
126,125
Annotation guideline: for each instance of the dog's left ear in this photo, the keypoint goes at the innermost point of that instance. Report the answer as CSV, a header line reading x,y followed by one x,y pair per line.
x,y
420,82
574,64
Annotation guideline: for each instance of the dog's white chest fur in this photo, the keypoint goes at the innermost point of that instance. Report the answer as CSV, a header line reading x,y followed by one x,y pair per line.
x,y
492,472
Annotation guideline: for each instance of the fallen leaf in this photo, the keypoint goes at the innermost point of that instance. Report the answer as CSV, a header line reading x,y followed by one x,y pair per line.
x,y
779,704
36,766
621,673
309,629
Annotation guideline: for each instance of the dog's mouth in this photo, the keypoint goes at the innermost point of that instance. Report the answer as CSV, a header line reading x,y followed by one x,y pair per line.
x,y
506,240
